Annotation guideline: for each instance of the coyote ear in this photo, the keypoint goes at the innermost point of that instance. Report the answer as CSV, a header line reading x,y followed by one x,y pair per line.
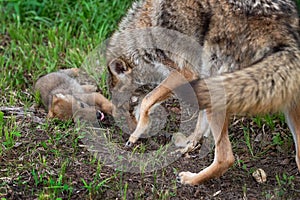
x,y
118,67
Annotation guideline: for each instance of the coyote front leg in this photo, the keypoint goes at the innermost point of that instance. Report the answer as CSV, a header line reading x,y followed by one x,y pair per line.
x,y
223,153
159,94
292,116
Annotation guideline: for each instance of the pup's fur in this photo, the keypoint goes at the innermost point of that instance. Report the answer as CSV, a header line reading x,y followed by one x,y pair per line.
x,y
65,98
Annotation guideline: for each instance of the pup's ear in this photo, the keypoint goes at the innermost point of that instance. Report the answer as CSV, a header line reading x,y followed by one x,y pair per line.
x,y
58,97
119,68
55,99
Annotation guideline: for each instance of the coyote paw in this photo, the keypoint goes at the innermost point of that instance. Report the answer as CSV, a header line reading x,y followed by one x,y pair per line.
x,y
75,71
186,178
128,144
132,139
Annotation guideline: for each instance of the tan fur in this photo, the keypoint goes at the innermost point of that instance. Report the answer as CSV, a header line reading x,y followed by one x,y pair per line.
x,y
249,63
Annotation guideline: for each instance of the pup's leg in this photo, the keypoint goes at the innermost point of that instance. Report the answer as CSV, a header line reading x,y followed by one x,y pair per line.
x,y
223,153
96,99
293,119
159,94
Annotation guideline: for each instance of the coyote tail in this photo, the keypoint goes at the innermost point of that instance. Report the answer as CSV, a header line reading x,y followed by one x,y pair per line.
x,y
270,85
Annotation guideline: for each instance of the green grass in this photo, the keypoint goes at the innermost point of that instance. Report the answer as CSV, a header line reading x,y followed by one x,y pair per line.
x,y
38,37
41,36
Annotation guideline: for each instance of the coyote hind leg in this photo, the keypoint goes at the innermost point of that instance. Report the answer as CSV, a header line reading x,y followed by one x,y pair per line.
x,y
223,153
292,116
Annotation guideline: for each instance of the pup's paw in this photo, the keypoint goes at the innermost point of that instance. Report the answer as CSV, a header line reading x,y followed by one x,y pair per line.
x,y
186,178
73,72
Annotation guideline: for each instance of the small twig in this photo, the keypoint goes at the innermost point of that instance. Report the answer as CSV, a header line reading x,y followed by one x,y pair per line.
x,y
20,112
15,109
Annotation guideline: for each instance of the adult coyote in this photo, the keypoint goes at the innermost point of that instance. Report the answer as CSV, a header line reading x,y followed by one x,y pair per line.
x,y
248,62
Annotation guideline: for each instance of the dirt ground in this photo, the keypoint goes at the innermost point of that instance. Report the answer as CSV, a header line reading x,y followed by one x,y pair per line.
x,y
271,149
274,156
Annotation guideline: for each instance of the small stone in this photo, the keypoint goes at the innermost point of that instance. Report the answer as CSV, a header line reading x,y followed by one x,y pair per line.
x,y
217,193
285,161
258,138
260,175
134,99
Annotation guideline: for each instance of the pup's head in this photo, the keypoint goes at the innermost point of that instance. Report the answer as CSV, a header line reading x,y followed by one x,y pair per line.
x,y
62,106
66,106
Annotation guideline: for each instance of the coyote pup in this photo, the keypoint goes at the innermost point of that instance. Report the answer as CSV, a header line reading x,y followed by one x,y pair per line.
x,y
247,62
65,98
